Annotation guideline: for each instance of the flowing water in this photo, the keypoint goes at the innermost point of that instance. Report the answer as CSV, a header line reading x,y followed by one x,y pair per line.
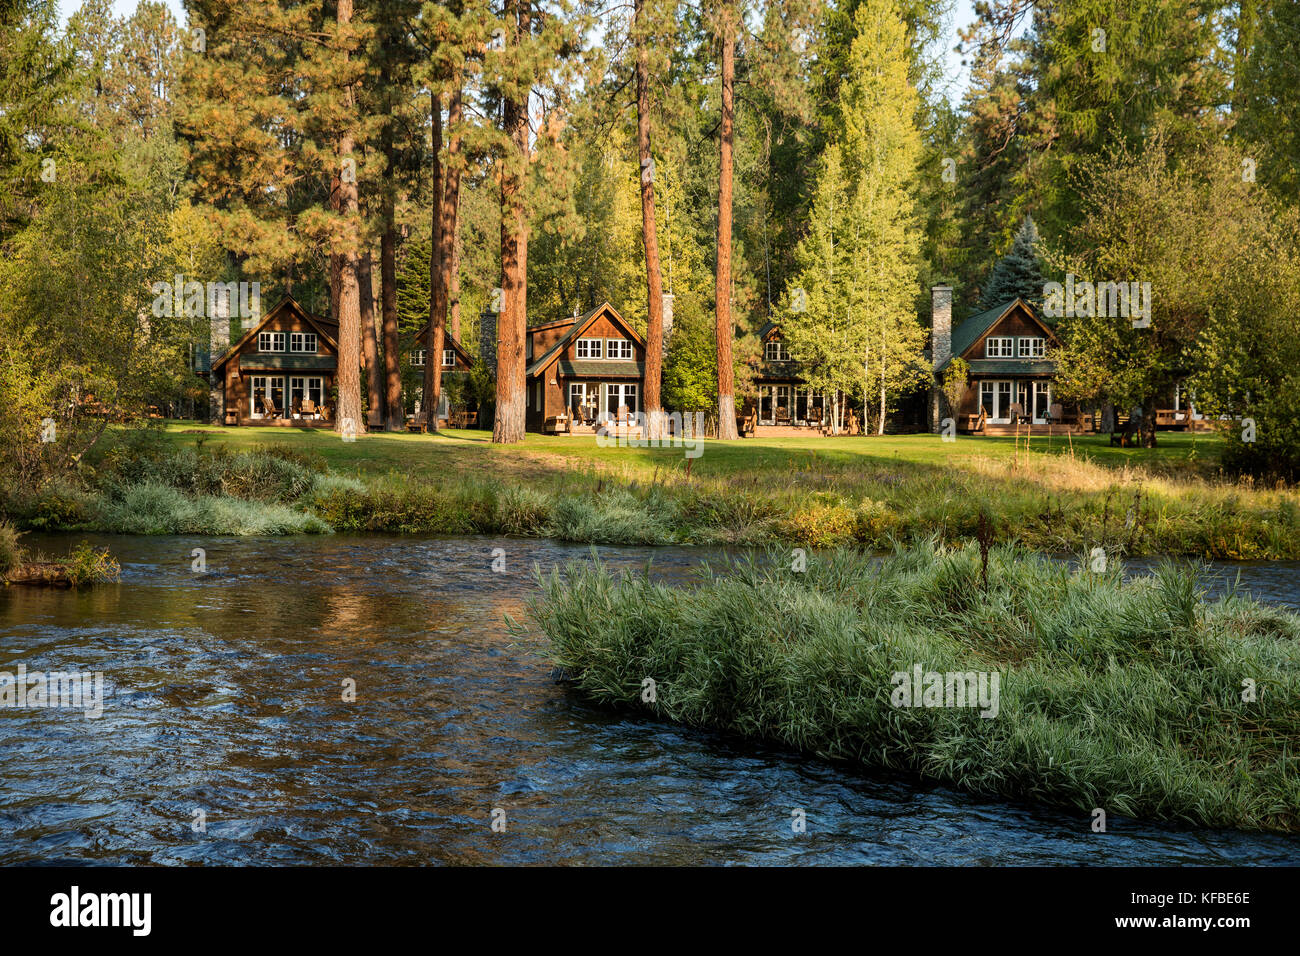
x,y
224,695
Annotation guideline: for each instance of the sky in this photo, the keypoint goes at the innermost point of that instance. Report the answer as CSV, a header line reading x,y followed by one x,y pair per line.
x,y
963,13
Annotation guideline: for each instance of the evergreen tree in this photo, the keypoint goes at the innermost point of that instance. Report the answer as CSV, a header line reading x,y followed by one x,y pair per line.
x,y
1019,273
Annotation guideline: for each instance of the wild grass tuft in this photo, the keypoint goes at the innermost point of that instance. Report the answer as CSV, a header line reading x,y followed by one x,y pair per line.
x,y
1128,696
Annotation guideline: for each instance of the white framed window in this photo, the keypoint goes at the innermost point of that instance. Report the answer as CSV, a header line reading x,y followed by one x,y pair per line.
x,y
619,396
776,351
302,342
448,358
589,348
266,397
1032,347
995,400
999,347
417,356
305,395
270,341
618,349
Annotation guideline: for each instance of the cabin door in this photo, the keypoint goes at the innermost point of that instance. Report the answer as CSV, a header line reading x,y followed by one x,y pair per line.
x,y
1042,402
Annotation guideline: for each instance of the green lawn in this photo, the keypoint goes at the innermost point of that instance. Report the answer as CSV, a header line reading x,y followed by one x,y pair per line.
x,y
462,452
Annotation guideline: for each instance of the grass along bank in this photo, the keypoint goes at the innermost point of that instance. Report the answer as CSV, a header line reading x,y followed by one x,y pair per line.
x,y
815,492
84,566
1126,697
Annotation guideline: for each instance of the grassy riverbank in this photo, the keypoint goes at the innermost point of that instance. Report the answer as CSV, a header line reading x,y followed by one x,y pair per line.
x,y
819,492
1121,697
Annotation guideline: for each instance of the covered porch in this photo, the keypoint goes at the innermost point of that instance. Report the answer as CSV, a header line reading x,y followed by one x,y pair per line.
x,y
792,408
273,398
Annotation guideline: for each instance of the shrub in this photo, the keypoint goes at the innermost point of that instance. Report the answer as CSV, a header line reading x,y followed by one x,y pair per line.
x,y
87,565
11,552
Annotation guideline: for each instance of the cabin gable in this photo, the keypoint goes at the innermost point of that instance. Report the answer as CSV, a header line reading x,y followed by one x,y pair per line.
x,y
1014,334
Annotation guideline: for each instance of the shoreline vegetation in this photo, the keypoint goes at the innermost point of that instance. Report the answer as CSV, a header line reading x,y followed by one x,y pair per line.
x,y
84,565
1138,698
819,493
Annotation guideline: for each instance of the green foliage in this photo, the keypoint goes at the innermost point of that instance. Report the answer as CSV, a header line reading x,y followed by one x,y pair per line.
x,y
152,507
89,565
849,317
11,551
955,379
1127,693
1018,274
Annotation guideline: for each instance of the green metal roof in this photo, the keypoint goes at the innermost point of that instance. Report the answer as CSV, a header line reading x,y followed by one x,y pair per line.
x,y
985,367
597,368
287,362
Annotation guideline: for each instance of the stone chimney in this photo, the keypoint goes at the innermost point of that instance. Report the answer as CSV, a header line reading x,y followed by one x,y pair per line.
x,y
487,339
941,324
220,338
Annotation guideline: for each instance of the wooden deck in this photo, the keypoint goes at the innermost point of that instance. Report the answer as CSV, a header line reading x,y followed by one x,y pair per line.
x,y
1033,431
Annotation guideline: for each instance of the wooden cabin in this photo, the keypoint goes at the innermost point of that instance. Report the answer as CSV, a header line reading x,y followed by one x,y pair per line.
x,y
584,372
1009,350
783,403
456,364
281,371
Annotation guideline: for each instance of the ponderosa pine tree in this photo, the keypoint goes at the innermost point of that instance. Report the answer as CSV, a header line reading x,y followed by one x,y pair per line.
x,y
642,37
727,18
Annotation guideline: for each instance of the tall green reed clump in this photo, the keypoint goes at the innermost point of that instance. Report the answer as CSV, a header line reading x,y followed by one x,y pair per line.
x,y
1139,697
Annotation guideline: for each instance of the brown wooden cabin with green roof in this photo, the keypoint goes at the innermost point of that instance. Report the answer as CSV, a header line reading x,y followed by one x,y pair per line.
x,y
456,362
584,372
782,402
281,371
1009,349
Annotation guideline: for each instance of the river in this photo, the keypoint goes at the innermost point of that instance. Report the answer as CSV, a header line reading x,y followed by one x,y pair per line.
x,y
225,738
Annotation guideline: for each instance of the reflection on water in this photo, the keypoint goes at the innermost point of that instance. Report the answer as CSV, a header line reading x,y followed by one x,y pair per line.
x,y
226,697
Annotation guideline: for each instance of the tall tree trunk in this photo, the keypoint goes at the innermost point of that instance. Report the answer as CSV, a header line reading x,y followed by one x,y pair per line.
x,y
349,415
394,413
880,430
394,410
453,284
512,322
654,339
445,209
437,286
451,213
370,343
722,288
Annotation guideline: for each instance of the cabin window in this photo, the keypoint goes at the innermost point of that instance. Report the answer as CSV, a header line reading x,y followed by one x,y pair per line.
x,y
619,396
589,348
1033,347
618,349
302,342
270,341
999,347
448,358
775,351
417,356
